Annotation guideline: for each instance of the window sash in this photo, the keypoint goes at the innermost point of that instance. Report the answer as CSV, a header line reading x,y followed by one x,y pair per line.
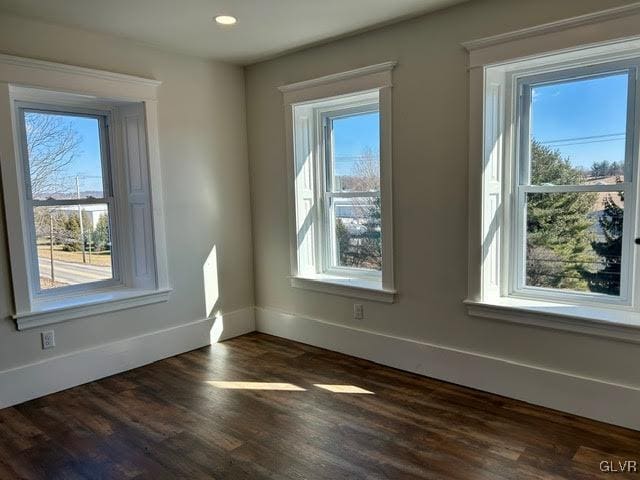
x,y
103,132
82,287
522,187
326,120
524,86
331,265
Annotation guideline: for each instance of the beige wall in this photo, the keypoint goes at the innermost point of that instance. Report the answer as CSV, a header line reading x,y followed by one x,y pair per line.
x,y
206,185
430,129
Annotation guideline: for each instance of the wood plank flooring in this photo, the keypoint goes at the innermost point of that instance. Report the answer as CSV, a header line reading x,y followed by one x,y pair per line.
x,y
174,419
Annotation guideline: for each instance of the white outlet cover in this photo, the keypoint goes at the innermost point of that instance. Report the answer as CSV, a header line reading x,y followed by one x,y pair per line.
x,y
48,339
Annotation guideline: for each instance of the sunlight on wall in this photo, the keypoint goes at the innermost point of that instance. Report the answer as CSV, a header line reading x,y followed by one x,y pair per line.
x,y
343,389
217,328
210,277
257,386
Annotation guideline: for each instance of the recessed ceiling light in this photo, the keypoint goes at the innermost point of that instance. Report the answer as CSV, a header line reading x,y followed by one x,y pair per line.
x,y
226,20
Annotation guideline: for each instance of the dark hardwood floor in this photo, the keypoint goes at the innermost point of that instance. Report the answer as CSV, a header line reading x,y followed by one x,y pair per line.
x,y
174,419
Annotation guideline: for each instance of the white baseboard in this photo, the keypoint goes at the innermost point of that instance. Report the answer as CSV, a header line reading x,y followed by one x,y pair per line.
x,y
597,399
34,380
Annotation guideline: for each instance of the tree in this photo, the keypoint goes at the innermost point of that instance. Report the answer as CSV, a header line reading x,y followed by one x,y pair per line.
x,y
43,218
101,233
607,280
360,241
52,145
606,169
72,241
558,225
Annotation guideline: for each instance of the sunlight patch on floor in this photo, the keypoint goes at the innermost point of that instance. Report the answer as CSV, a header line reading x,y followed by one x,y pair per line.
x,y
257,386
343,389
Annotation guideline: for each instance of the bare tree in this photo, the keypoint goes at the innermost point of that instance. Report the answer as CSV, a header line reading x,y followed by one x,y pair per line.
x,y
367,170
52,145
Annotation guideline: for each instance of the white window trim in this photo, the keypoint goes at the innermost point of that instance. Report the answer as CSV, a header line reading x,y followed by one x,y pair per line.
x,y
565,43
90,84
371,78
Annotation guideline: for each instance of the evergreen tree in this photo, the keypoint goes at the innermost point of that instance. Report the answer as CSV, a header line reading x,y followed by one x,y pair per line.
x,y
101,233
558,228
72,234
372,238
607,280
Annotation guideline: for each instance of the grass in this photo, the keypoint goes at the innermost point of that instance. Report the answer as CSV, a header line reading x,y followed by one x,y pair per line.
x,y
101,259
46,283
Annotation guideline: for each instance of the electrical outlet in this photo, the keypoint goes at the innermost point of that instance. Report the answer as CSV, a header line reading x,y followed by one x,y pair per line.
x,y
48,339
358,311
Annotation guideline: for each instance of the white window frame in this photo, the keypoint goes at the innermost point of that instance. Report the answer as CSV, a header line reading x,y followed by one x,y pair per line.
x,y
520,163
106,147
328,258
311,243
129,105
495,65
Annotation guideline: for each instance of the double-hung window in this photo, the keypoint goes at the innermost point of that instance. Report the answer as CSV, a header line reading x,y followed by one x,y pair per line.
x,y
554,162
339,145
575,184
351,172
82,191
69,197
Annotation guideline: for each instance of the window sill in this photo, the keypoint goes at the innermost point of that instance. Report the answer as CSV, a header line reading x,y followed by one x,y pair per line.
x,y
612,323
62,309
346,287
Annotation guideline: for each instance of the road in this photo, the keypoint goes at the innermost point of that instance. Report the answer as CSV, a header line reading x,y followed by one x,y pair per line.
x,y
73,273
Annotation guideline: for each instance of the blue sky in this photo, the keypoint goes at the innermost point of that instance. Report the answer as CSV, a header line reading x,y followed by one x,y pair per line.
x,y
585,119
562,114
87,162
353,134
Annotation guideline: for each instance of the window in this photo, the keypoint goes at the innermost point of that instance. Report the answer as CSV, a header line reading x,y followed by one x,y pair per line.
x,y
69,198
554,180
352,190
576,164
81,183
341,181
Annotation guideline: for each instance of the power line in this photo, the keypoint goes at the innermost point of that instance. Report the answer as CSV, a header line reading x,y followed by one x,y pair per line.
x,y
590,137
585,143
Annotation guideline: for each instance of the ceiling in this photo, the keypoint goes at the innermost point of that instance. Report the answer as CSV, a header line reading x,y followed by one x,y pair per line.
x,y
265,28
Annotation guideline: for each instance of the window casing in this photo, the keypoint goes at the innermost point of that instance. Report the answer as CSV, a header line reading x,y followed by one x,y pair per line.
x,y
508,115
341,215
114,193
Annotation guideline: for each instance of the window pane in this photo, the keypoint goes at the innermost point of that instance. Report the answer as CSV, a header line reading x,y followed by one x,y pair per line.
x,y
64,156
73,249
578,131
574,241
356,156
358,240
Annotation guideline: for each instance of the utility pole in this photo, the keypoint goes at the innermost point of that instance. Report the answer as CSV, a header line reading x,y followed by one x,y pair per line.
x,y
84,258
53,274
90,239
